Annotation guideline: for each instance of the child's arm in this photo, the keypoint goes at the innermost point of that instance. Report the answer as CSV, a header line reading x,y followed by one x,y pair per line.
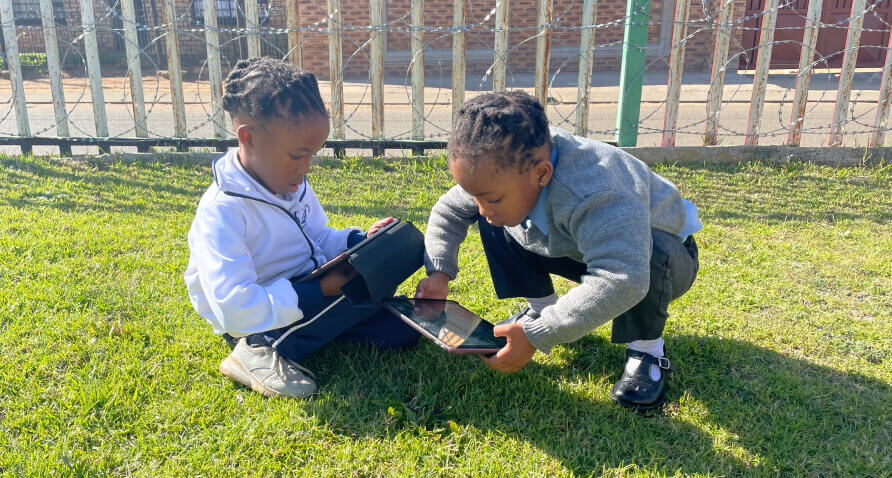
x,y
333,280
446,229
613,232
228,277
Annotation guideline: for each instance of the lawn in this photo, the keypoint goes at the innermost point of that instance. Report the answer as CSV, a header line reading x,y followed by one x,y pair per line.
x,y
782,350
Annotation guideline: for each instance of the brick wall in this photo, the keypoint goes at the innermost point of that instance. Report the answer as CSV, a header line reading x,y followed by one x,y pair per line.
x,y
68,16
437,15
69,30
522,21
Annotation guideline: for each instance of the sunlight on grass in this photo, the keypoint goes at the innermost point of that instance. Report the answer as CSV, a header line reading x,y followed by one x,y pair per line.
x,y
783,364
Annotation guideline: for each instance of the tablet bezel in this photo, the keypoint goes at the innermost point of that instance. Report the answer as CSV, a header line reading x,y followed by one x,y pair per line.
x,y
340,258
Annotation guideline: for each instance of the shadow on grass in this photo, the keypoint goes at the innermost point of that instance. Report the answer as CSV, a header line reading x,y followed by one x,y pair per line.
x,y
732,408
755,192
97,182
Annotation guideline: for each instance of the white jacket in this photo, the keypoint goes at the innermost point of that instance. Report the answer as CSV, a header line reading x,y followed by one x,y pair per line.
x,y
245,243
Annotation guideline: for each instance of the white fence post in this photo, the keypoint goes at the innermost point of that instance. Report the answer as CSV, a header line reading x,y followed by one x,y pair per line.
x,y
586,58
134,67
174,70
849,59
417,69
15,71
676,70
459,8
376,68
543,47
91,49
335,65
879,124
717,85
215,73
806,56
252,24
54,68
760,80
293,23
500,47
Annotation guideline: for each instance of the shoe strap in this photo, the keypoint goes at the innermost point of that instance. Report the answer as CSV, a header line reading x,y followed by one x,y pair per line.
x,y
645,357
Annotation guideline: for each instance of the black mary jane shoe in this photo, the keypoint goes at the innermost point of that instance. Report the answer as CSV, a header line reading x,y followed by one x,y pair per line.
x,y
636,390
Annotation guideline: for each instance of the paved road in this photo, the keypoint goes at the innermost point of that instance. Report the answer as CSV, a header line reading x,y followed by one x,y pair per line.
x,y
692,108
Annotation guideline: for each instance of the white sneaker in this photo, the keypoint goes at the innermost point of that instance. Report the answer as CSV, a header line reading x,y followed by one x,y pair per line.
x,y
267,372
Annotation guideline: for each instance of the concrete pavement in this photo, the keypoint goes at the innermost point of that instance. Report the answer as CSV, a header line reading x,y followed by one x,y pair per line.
x,y
438,99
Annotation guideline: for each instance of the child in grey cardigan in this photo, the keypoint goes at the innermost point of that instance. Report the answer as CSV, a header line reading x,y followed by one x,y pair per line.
x,y
548,202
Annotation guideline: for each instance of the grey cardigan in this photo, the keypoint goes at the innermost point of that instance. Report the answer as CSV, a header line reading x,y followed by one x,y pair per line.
x,y
601,206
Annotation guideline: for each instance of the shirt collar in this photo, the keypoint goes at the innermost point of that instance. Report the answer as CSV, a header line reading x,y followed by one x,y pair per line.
x,y
537,216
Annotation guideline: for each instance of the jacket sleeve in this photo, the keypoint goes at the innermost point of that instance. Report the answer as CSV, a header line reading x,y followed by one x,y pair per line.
x,y
612,230
447,228
331,241
228,278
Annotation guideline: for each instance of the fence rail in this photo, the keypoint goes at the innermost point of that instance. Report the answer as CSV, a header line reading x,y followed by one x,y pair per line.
x,y
379,113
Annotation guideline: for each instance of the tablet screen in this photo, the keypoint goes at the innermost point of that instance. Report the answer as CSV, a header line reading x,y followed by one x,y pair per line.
x,y
449,323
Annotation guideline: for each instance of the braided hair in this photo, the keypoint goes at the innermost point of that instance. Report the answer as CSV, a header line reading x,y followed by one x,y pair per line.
x,y
266,87
500,127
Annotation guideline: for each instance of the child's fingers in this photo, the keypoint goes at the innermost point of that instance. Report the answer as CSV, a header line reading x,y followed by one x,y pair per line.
x,y
421,289
498,356
508,358
497,361
502,330
428,290
378,225
383,222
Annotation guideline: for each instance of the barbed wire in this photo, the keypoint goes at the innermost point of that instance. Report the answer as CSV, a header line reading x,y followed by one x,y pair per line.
x,y
355,34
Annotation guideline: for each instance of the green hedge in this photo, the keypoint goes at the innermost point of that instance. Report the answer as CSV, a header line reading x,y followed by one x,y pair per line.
x,y
36,62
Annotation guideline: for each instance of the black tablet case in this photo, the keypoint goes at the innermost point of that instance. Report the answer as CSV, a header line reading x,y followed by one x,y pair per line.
x,y
384,264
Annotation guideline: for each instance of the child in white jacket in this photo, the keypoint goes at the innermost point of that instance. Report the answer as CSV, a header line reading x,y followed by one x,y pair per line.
x,y
259,226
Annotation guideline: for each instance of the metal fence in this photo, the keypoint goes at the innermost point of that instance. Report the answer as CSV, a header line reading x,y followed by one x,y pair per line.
x,y
403,117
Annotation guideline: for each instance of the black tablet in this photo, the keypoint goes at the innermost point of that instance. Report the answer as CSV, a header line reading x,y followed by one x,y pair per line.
x,y
321,270
451,326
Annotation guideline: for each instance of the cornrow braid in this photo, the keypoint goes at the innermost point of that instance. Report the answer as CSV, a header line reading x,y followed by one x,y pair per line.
x,y
266,87
503,127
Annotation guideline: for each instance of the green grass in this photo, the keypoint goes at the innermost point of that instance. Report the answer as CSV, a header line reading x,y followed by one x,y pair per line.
x,y
782,349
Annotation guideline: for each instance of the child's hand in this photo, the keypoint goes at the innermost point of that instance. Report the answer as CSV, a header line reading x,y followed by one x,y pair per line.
x,y
333,280
516,354
435,286
378,225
